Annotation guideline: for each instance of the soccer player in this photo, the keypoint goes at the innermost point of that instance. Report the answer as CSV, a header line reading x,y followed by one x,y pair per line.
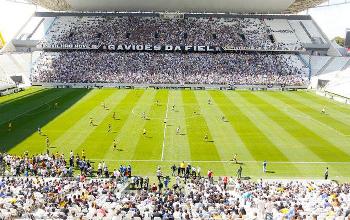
x,y
143,115
9,128
239,172
114,117
173,108
91,122
323,111
114,145
144,132
47,142
326,174
178,130
223,118
83,154
209,101
157,103
235,158
109,128
264,166
39,130
206,137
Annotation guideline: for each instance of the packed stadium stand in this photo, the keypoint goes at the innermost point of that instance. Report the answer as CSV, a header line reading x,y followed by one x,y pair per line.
x,y
169,68
49,190
247,38
116,49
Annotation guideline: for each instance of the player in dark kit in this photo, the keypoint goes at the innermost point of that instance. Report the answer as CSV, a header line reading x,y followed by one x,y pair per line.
x,y
109,128
326,174
114,145
91,122
206,137
47,142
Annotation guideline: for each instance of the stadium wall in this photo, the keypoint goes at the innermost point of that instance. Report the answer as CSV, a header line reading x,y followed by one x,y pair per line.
x,y
168,86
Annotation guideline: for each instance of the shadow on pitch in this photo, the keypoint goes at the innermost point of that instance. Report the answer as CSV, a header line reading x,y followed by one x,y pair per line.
x,y
245,178
238,163
32,95
36,111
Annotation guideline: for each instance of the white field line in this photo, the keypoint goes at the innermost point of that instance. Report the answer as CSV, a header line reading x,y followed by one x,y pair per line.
x,y
226,161
164,130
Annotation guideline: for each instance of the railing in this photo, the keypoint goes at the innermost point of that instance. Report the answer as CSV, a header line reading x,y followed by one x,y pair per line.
x,y
337,97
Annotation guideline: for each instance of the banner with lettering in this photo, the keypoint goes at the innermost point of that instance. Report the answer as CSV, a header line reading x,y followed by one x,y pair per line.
x,y
152,48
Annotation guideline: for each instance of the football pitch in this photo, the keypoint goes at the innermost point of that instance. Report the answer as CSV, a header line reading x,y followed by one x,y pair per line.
x,y
285,128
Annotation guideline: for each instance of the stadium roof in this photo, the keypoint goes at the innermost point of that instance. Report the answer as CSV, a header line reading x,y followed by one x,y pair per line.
x,y
233,6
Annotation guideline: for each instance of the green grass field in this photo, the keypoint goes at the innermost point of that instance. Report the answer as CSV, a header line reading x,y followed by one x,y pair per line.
x,y
285,128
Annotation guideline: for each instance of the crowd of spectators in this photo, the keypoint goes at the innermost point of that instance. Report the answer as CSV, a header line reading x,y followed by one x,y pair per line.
x,y
186,195
168,68
249,33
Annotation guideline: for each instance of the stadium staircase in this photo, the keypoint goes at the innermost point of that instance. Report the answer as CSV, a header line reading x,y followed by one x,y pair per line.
x,y
325,66
304,61
35,29
347,65
305,29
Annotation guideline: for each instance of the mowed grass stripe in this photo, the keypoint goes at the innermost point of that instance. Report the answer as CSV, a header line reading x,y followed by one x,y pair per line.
x,y
292,148
316,143
176,146
333,118
123,113
131,132
326,132
259,146
63,123
324,101
24,128
70,137
93,136
196,129
31,105
227,141
150,145
226,138
20,95
295,149
237,144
